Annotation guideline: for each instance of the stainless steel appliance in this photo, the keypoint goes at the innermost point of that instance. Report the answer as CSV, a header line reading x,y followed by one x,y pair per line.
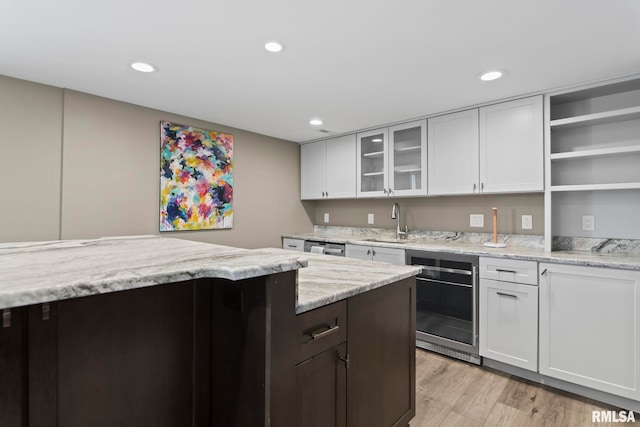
x,y
335,249
447,303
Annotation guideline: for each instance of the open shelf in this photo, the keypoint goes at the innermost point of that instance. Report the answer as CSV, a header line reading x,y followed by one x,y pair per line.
x,y
623,114
599,152
374,154
596,187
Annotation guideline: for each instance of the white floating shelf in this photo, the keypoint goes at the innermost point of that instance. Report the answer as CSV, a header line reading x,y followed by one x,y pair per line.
x,y
373,174
374,154
599,152
596,187
412,148
631,113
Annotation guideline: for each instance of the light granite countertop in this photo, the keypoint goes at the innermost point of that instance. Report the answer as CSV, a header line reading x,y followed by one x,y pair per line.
x,y
328,279
38,272
518,247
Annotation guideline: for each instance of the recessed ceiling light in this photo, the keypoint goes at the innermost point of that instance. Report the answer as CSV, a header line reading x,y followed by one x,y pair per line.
x,y
273,46
376,140
315,122
487,76
143,67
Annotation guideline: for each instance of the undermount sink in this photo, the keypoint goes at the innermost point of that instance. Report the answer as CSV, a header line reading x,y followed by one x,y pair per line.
x,y
388,240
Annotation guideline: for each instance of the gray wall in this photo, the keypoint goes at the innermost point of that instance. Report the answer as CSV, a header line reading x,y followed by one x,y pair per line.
x,y
30,152
107,182
449,213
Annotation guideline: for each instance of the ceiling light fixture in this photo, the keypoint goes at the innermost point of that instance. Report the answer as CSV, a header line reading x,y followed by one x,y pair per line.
x,y
487,76
273,46
143,67
315,122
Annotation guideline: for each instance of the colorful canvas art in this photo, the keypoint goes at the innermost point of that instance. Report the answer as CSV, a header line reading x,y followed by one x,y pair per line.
x,y
196,181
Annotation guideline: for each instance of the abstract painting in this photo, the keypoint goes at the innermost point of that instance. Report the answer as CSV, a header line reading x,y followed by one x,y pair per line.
x,y
196,181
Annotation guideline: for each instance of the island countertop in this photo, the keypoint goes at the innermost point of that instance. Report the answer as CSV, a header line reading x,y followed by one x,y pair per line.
x,y
38,272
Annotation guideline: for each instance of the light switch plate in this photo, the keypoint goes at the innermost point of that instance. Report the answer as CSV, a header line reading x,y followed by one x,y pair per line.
x,y
527,222
588,223
476,220
326,217
370,219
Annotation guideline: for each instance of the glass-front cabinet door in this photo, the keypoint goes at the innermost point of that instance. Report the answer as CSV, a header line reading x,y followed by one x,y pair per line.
x,y
408,159
372,167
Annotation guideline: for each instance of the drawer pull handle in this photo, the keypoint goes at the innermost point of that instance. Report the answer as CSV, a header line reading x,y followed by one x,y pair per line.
x,y
544,272
323,332
6,318
499,270
502,294
346,361
292,246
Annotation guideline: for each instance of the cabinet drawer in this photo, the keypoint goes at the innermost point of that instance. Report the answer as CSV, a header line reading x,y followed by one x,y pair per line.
x,y
509,270
320,329
293,244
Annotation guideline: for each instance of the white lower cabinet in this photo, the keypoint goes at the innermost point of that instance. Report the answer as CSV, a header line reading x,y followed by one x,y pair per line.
x,y
509,323
375,253
293,244
590,327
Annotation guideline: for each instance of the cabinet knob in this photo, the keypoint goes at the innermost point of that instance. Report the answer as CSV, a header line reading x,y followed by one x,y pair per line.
x,y
368,251
326,194
482,186
384,190
474,187
373,252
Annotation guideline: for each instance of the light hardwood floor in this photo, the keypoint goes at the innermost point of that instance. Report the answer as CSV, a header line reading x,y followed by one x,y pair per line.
x,y
451,393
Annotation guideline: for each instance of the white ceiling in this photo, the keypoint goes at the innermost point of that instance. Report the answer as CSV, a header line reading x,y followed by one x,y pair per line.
x,y
353,63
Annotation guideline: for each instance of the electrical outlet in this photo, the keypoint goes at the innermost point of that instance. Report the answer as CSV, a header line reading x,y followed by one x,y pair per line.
x,y
588,223
527,222
326,217
370,219
476,220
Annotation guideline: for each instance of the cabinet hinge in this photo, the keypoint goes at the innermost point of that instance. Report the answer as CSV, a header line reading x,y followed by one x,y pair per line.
x,y
6,318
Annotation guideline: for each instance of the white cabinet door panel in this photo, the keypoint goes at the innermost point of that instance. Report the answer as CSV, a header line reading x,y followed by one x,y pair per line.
x,y
511,146
589,330
341,167
453,153
357,251
313,170
408,159
509,323
390,255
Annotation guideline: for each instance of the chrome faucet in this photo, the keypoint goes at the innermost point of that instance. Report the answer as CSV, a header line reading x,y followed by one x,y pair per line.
x,y
395,214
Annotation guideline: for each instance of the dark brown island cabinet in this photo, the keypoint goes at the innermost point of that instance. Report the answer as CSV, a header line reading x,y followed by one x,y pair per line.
x,y
210,352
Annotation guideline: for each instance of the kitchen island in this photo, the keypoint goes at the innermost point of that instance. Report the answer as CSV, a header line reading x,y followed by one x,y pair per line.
x,y
159,331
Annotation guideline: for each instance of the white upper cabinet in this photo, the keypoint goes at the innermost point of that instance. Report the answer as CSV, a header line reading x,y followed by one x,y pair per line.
x,y
313,164
511,146
408,159
328,169
372,163
392,161
453,153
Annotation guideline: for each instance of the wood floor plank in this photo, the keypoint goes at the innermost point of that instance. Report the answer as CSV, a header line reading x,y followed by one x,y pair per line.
x,y
453,393
478,399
